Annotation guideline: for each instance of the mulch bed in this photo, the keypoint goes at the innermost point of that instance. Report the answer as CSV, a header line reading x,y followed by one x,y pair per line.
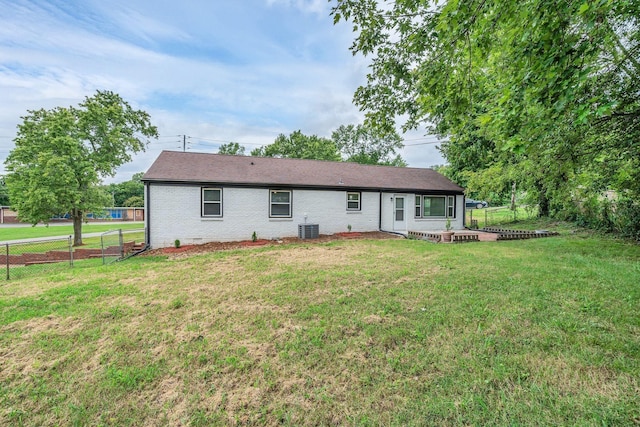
x,y
221,246
174,250
260,242
350,235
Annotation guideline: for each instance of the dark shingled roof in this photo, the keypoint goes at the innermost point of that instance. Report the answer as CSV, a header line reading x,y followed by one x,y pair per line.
x,y
180,167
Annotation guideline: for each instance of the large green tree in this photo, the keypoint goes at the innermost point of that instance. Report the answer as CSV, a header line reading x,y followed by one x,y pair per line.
x,y
4,193
300,146
545,91
364,144
61,155
134,202
122,191
232,148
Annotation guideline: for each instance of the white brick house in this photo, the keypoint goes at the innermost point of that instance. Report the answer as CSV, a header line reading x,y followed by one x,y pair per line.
x,y
198,198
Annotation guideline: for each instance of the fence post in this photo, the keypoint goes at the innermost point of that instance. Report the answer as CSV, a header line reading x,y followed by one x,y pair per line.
x,y
121,241
485,218
7,258
70,251
102,247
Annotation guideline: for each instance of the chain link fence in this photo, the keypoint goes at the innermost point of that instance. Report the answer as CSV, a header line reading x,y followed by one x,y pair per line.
x,y
112,246
43,256
480,218
21,259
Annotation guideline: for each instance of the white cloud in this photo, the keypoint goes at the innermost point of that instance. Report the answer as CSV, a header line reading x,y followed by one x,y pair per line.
x,y
319,7
232,71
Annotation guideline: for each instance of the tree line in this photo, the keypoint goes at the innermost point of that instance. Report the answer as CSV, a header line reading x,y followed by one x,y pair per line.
x,y
350,143
532,95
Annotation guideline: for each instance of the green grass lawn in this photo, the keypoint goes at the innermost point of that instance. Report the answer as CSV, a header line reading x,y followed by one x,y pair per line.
x,y
16,233
386,332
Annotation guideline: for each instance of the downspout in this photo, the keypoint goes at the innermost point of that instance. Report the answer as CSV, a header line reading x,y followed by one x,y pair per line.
x,y
464,211
147,215
380,210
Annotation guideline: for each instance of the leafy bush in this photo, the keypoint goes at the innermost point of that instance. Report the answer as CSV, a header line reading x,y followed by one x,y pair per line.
x,y
621,216
627,218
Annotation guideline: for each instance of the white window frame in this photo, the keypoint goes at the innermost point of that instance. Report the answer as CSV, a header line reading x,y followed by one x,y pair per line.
x,y
210,202
449,206
358,202
272,203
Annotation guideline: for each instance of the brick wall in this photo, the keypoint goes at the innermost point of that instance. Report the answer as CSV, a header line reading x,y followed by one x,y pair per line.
x,y
174,213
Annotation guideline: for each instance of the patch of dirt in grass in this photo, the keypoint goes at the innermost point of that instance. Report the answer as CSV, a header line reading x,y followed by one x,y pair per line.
x,y
150,275
20,357
285,330
321,256
39,325
575,378
373,319
250,307
92,364
169,394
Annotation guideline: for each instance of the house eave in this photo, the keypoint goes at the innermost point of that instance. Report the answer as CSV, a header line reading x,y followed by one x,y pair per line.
x,y
340,187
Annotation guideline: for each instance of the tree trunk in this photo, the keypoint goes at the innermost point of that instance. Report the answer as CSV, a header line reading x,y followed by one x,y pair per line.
x,y
77,227
513,196
543,205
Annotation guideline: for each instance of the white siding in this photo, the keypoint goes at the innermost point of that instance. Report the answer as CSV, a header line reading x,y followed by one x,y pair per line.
x,y
418,224
173,212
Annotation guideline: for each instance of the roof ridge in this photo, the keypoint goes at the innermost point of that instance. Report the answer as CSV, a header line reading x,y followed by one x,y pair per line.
x,y
295,159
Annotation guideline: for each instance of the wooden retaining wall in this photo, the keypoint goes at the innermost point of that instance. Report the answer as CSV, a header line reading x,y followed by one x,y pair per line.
x,y
506,234
461,238
432,237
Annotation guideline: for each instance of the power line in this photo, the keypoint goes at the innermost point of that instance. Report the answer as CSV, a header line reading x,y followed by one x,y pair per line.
x,y
223,141
426,143
421,138
185,140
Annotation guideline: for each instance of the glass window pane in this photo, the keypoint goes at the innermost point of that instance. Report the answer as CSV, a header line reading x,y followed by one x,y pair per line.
x,y
399,215
438,206
353,205
353,196
399,202
434,206
211,195
280,196
212,209
279,210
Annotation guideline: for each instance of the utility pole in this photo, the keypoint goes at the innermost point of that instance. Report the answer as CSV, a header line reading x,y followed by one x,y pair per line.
x,y
184,143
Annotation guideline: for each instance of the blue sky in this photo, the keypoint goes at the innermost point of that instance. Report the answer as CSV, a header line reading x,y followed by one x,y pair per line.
x,y
243,70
